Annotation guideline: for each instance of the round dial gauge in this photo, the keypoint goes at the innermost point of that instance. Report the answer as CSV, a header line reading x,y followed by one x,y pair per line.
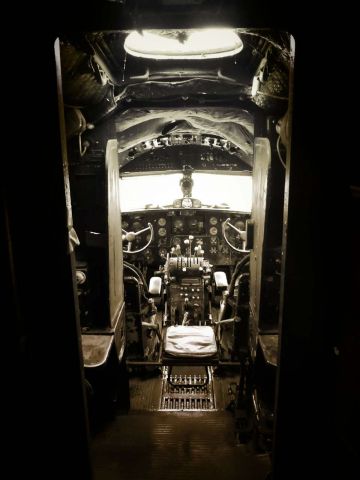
x,y
213,231
136,226
178,225
213,221
125,225
162,222
162,232
186,202
240,225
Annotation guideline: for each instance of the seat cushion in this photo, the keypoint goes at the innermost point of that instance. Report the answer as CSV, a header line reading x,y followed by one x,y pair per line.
x,y
190,341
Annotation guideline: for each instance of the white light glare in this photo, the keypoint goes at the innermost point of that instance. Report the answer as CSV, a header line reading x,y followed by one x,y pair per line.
x,y
190,44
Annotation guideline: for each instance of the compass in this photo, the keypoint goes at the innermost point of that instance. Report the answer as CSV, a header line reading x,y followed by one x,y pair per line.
x,y
186,202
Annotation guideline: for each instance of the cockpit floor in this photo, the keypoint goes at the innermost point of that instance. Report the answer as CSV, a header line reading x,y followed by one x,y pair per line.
x,y
149,389
153,444
174,445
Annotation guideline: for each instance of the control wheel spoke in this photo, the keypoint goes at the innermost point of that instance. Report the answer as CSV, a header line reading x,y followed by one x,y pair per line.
x,y
130,237
242,234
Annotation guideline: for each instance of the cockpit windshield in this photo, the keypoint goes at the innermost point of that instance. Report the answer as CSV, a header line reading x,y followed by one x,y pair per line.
x,y
213,190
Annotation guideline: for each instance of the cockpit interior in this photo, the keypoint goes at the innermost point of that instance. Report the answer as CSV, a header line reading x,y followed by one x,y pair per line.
x,y
177,143
180,193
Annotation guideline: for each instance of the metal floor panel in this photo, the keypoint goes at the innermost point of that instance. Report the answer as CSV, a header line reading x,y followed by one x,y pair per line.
x,y
186,392
147,389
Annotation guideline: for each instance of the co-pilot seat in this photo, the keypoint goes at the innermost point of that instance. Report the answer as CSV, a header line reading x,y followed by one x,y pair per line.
x,y
189,338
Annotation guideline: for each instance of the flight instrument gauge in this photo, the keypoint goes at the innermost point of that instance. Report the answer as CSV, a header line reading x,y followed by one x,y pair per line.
x,y
240,225
186,202
178,225
136,226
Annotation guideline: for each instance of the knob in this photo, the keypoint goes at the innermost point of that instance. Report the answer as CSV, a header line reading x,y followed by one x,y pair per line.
x,y
80,277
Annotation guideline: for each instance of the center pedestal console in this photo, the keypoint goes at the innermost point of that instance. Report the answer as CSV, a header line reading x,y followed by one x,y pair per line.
x,y
188,278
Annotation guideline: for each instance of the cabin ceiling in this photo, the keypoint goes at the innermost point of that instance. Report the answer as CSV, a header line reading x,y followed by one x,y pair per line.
x,y
137,125
147,99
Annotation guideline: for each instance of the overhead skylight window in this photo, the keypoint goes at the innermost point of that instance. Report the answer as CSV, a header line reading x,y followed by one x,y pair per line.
x,y
183,44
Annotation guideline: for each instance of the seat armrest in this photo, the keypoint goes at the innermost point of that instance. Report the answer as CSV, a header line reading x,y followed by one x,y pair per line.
x,y
155,286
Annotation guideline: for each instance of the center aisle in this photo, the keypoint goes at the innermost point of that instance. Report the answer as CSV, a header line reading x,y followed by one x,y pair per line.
x,y
177,446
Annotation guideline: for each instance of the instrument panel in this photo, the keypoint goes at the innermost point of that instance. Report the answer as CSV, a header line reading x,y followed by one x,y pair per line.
x,y
173,226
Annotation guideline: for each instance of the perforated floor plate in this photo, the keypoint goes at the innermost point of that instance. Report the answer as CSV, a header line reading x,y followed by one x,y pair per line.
x,y
186,390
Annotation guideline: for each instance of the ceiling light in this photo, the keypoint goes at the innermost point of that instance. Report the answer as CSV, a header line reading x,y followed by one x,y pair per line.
x,y
183,44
